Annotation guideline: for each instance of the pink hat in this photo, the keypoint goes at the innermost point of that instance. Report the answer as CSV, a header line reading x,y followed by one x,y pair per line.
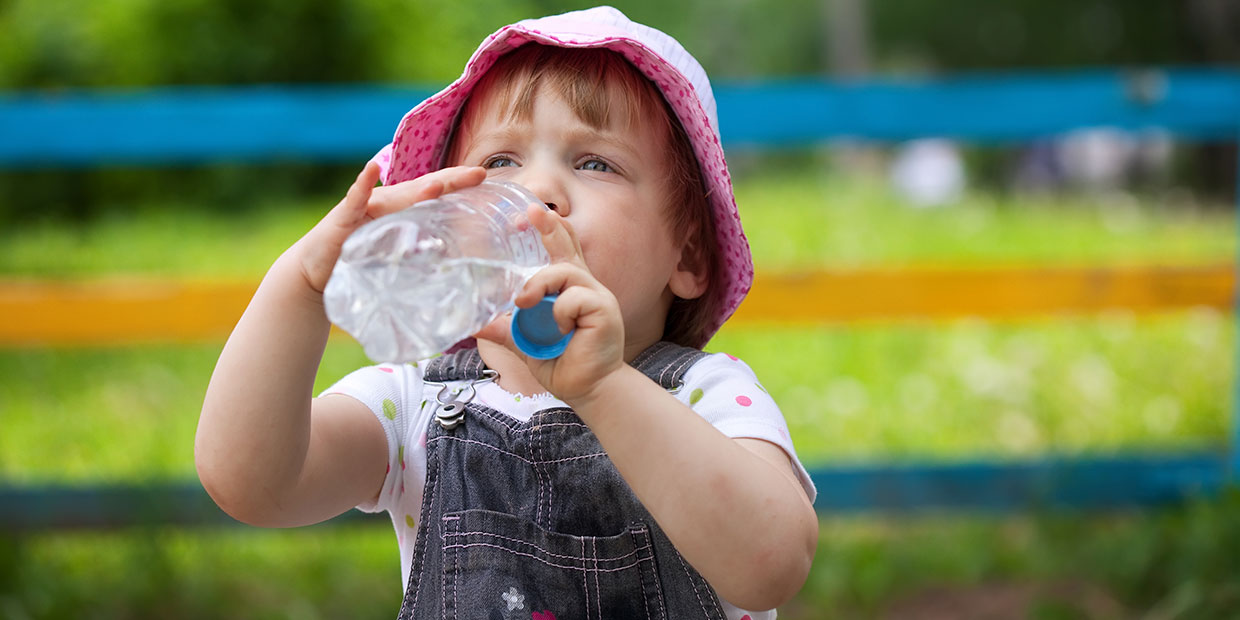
x,y
421,139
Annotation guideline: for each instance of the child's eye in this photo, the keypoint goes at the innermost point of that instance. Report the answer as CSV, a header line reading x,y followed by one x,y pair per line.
x,y
596,165
498,161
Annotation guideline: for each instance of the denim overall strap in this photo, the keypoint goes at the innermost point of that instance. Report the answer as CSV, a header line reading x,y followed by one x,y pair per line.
x,y
463,365
532,520
665,363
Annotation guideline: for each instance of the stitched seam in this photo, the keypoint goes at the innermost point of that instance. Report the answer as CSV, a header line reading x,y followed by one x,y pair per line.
x,y
598,595
542,452
645,356
642,578
668,376
548,563
443,581
689,359
478,443
549,424
456,564
654,573
546,552
545,480
662,379
692,582
677,368
577,458
658,585
486,413
540,474
585,582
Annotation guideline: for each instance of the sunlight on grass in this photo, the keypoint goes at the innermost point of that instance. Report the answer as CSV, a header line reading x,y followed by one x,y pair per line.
x,y
971,389
800,221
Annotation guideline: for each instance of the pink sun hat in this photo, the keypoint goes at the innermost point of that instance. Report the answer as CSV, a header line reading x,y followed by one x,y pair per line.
x,y
421,140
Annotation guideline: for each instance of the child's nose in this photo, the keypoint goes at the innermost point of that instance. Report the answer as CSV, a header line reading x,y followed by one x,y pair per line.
x,y
547,188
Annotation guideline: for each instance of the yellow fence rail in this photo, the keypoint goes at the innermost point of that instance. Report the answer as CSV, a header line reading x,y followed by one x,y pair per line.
x,y
117,311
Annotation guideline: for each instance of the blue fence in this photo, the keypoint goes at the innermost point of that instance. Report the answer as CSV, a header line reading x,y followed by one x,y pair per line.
x,y
187,126
190,125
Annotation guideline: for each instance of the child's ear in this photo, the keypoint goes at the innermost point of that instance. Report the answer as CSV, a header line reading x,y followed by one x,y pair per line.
x,y
691,276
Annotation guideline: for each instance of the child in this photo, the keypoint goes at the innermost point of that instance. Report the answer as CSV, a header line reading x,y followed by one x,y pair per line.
x,y
630,477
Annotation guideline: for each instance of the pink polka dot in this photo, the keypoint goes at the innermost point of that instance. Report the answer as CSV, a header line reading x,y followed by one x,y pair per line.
x,y
732,357
743,401
386,369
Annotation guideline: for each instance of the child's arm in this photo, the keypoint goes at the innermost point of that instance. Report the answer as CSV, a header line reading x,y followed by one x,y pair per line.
x,y
268,452
732,507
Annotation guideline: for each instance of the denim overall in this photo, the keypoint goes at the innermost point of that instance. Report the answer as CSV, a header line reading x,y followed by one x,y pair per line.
x,y
532,520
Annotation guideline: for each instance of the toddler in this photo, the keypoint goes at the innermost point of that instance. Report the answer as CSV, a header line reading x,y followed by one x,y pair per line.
x,y
635,476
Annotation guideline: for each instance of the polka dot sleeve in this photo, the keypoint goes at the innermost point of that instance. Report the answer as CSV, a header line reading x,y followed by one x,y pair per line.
x,y
725,392
393,392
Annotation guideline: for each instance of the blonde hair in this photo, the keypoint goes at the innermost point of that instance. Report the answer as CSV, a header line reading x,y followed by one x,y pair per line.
x,y
594,82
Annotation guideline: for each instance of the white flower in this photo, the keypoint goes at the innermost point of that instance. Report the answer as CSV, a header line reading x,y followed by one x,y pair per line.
x,y
515,599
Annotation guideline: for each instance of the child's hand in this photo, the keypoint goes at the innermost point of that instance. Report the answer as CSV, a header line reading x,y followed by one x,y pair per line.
x,y
319,248
584,305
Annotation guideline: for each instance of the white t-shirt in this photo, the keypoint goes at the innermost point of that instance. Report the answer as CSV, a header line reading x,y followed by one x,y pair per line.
x,y
720,388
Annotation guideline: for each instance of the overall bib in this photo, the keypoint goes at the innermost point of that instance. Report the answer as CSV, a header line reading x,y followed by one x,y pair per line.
x,y
531,520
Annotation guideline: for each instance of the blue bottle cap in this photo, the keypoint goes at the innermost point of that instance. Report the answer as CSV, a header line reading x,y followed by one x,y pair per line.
x,y
534,331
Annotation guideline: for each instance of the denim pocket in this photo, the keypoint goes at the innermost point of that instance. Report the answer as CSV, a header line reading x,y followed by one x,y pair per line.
x,y
499,567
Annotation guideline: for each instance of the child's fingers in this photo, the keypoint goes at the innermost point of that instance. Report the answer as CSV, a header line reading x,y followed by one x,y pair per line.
x,y
431,185
551,280
558,235
349,213
574,305
498,331
320,247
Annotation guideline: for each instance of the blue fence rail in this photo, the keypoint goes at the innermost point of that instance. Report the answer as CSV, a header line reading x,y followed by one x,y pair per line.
x,y
196,125
192,125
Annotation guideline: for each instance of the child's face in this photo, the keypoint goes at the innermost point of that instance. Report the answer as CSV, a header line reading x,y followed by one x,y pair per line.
x,y
608,183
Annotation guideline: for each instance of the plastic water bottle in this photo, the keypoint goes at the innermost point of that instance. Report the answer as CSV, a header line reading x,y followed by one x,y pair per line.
x,y
413,283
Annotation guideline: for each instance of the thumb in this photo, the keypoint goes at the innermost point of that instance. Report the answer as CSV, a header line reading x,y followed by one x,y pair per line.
x,y
322,244
499,332
351,212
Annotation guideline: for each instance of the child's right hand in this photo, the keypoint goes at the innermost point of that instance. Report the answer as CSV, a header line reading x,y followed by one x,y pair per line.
x,y
318,249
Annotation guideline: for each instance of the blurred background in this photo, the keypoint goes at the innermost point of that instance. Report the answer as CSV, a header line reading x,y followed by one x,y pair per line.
x,y
937,375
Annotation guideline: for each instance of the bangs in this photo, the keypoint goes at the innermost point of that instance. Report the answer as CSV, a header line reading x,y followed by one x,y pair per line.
x,y
599,86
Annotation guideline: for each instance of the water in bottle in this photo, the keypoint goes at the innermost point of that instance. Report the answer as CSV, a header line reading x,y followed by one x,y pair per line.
x,y
413,283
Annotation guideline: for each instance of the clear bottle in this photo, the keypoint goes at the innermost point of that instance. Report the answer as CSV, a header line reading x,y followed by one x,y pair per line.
x,y
413,283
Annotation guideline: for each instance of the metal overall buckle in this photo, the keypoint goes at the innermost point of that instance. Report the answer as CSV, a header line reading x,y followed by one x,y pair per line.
x,y
451,411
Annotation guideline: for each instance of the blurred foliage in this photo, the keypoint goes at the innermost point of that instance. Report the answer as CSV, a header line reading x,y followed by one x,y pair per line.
x,y
72,43
128,43
62,44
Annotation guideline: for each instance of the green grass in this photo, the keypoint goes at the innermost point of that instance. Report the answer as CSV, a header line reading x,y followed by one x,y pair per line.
x,y
793,220
852,392
798,221
970,389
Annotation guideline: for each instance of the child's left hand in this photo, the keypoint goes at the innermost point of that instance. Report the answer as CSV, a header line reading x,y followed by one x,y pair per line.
x,y
584,305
